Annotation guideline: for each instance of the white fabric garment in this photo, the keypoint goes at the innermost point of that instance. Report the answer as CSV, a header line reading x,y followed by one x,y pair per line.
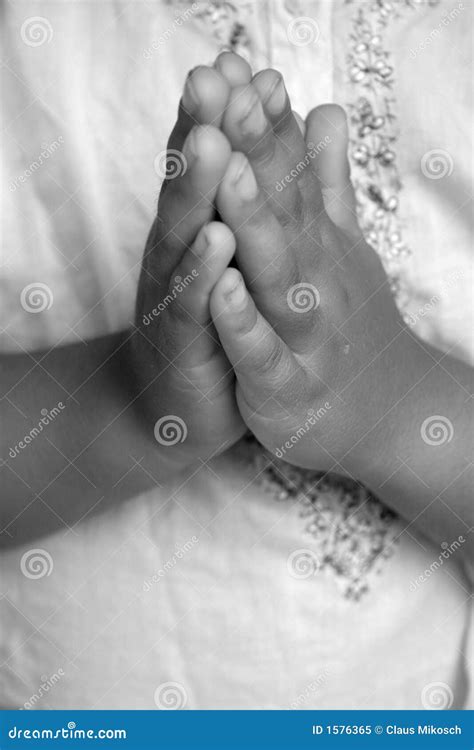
x,y
226,622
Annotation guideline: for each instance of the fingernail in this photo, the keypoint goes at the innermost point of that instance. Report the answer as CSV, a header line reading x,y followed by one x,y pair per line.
x,y
236,296
277,97
202,243
245,182
190,148
189,98
254,121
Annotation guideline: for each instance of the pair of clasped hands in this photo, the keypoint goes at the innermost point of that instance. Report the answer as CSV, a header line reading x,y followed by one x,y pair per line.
x,y
288,308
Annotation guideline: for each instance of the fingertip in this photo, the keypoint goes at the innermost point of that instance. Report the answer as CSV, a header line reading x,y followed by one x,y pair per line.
x,y
244,115
208,143
271,89
300,122
220,238
229,281
205,93
330,116
239,181
234,68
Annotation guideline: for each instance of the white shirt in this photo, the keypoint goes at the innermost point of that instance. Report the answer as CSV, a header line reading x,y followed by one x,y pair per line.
x,y
132,601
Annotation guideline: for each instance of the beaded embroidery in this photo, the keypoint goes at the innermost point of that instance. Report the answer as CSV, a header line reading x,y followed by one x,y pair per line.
x,y
224,20
353,530
373,133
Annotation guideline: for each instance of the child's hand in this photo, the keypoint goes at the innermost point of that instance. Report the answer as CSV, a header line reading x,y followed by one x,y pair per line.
x,y
187,384
311,330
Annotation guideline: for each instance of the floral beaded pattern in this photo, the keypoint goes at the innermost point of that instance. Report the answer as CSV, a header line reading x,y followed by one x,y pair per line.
x,y
374,132
353,531
224,20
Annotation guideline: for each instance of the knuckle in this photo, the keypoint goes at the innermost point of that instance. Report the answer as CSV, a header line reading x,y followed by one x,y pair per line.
x,y
246,323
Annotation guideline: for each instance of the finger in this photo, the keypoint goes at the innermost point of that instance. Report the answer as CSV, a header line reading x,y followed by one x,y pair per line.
x,y
326,128
205,95
188,203
190,333
300,122
276,104
268,264
262,362
234,68
250,132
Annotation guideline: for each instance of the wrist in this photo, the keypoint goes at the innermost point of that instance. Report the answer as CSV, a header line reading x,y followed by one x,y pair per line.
x,y
391,409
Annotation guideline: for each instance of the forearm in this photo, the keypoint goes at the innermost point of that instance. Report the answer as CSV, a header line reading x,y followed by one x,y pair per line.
x,y
418,456
73,438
